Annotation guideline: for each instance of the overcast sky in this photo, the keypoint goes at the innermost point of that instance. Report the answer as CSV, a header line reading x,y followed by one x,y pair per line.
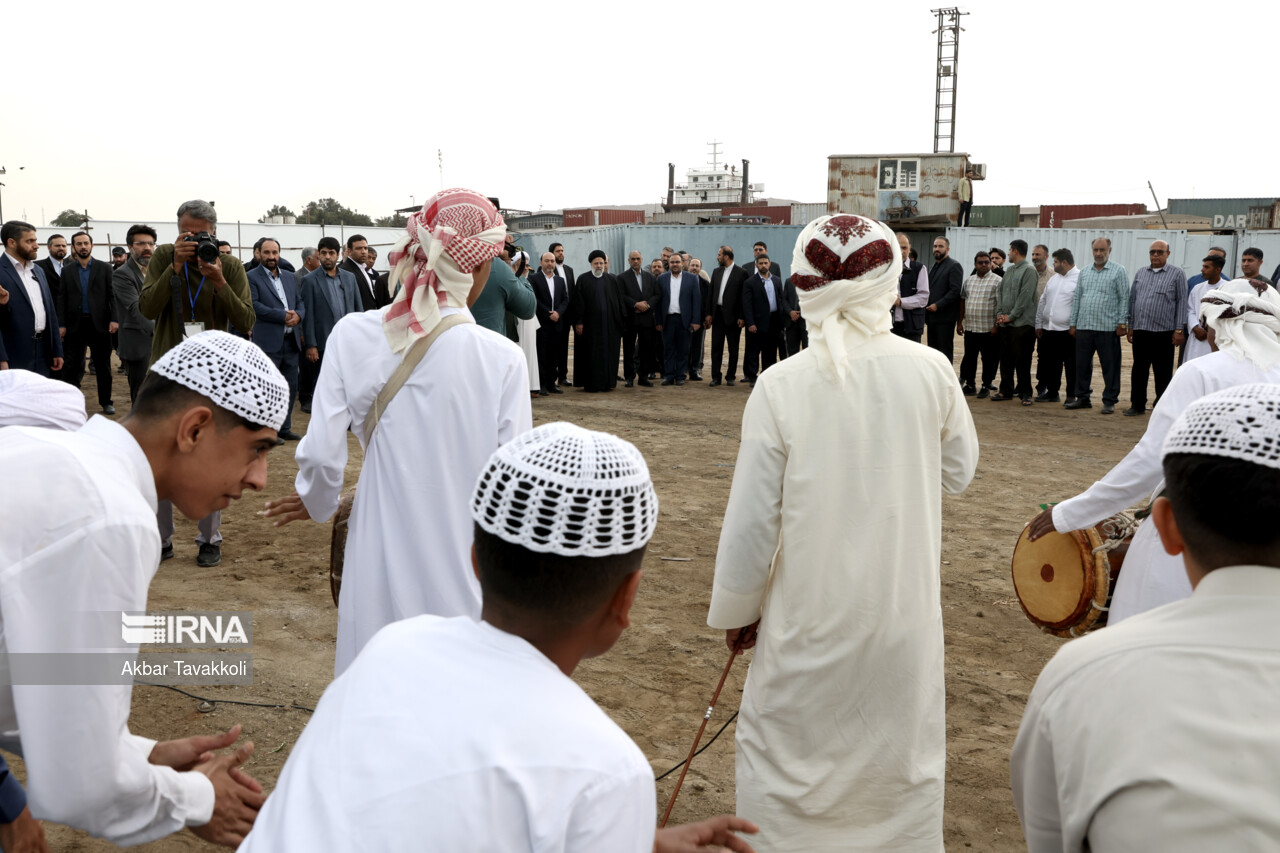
x,y
128,110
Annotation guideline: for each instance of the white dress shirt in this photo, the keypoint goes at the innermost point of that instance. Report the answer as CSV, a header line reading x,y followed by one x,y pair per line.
x,y
1160,734
1195,347
1053,312
27,272
676,281
451,735
98,552
278,283
769,292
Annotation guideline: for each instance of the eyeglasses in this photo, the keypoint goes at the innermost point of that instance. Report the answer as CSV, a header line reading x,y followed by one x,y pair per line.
x,y
1158,252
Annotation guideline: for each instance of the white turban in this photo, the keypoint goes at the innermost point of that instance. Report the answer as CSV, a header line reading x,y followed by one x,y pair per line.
x,y
846,276
29,399
1245,318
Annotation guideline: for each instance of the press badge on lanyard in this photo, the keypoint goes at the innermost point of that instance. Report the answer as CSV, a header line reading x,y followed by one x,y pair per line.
x,y
195,327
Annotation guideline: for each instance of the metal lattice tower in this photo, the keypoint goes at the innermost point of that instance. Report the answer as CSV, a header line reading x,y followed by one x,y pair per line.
x,y
944,104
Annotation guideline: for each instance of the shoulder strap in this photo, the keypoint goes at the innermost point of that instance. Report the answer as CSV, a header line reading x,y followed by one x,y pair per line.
x,y
415,354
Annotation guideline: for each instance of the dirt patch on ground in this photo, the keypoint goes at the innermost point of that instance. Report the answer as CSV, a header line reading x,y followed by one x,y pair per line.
x,y
656,682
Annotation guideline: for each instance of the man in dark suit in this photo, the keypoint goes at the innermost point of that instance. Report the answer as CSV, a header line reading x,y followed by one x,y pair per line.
x,y
357,254
52,265
328,295
136,331
279,311
562,344
796,330
943,311
552,293
757,250
29,337
763,303
679,316
639,299
86,306
724,313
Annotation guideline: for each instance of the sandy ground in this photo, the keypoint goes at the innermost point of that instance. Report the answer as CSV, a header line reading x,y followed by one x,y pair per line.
x,y
656,682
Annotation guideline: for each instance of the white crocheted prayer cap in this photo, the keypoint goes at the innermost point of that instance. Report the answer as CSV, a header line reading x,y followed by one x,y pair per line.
x,y
29,399
1241,422
562,489
233,373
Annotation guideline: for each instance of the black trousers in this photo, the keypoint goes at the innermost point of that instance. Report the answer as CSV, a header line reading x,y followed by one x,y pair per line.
x,y
675,345
987,346
797,336
1152,352
637,351
85,336
942,337
1057,354
562,354
547,340
902,330
135,371
308,373
286,361
962,220
763,348
1107,345
659,364
724,330
697,349
1016,345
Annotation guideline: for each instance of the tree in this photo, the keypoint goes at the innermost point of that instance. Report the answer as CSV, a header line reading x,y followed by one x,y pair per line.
x,y
277,210
69,219
328,211
395,220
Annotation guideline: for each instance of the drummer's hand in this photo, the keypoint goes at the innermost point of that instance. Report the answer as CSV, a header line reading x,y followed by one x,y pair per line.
x,y
289,509
1042,524
746,634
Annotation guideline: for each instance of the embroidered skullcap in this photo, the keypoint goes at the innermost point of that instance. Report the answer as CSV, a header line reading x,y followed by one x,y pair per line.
x,y
561,489
845,269
1245,318
233,373
596,253
29,399
456,231
1241,422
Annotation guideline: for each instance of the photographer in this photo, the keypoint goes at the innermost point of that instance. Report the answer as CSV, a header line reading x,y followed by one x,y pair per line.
x,y
190,288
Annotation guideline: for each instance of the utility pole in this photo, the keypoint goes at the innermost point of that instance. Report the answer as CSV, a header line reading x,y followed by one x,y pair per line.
x,y
944,102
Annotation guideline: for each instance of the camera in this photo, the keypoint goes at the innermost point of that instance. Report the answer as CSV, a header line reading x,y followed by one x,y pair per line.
x,y
206,246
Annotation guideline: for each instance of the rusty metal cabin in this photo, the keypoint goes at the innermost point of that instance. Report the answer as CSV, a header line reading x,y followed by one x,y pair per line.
x,y
911,192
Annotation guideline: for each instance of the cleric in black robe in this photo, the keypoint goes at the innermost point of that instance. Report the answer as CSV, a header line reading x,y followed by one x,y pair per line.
x,y
598,318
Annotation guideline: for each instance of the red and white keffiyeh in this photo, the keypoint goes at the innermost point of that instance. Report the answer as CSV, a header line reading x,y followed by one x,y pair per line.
x,y
845,269
456,231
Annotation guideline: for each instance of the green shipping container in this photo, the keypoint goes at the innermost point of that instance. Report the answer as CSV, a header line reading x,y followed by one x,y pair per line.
x,y
994,216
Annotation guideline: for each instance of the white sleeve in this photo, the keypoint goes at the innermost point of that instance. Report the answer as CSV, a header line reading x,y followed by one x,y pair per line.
x,y
614,815
1193,308
515,413
84,767
959,443
1139,473
752,519
1042,309
1033,774
322,453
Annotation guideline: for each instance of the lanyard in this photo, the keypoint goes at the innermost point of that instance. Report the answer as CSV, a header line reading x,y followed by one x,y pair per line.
x,y
190,298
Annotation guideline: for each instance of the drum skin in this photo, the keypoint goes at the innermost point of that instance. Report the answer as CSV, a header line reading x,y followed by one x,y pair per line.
x,y
1064,581
338,543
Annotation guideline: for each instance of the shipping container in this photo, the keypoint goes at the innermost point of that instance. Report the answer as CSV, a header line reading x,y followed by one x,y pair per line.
x,y
905,190
1053,215
802,213
588,216
994,216
1228,214
777,215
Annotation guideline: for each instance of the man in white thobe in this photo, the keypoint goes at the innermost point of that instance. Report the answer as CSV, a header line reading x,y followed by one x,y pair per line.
x,y
1198,335
409,534
1248,350
832,540
1160,734
197,435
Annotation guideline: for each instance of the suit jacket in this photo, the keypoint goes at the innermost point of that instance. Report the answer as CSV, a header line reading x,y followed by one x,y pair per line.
x,y
136,331
553,295
646,290
18,320
367,300
326,301
382,289
102,308
570,281
269,330
730,279
945,278
791,302
755,304
54,277
690,299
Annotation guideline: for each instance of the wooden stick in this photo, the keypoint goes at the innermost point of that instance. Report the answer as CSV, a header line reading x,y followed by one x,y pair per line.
x,y
737,647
